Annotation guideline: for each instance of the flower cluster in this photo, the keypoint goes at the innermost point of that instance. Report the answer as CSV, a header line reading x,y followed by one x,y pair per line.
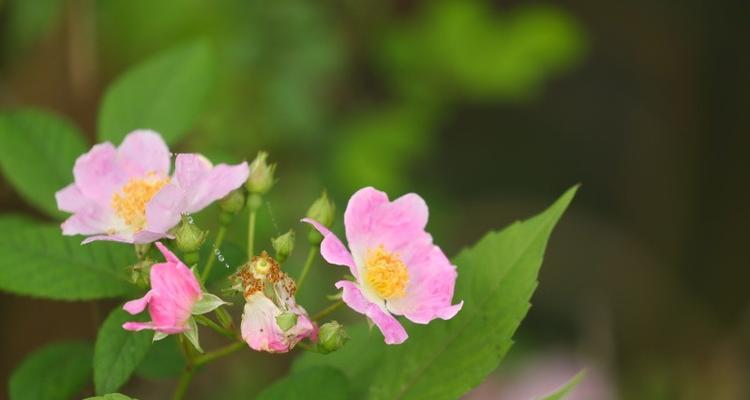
x,y
126,194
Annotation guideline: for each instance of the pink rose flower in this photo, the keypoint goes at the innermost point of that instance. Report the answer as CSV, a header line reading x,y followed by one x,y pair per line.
x,y
125,194
272,320
398,270
175,296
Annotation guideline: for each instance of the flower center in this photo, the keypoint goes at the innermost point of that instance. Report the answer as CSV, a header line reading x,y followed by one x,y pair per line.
x,y
386,273
130,202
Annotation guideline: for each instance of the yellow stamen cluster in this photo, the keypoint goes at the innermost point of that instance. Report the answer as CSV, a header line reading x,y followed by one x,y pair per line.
x,y
386,273
130,202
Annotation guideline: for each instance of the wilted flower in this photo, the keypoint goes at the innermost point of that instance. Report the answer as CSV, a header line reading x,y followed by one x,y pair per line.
x,y
272,321
175,296
398,270
125,194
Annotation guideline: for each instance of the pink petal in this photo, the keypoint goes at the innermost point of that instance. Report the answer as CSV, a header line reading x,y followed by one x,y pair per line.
x,y
332,249
143,152
137,305
174,292
111,238
371,220
85,223
137,326
164,210
144,236
432,278
204,184
168,255
98,174
259,328
393,331
71,199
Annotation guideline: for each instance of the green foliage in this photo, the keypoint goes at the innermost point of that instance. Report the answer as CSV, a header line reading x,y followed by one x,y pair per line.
x,y
164,360
447,358
38,261
118,352
464,47
110,396
165,93
318,382
28,21
565,390
56,371
37,155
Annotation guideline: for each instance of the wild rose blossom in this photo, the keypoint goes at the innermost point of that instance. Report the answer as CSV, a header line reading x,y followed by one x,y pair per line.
x,y
398,270
125,194
175,296
269,295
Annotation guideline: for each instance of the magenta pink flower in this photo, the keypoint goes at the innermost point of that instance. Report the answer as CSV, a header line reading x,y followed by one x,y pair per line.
x,y
125,194
398,270
174,292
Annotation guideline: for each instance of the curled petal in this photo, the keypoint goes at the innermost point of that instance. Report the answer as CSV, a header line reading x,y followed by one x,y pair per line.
x,y
138,305
393,331
138,326
332,249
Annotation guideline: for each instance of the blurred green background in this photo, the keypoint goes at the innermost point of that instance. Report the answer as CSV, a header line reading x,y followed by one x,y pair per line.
x,y
487,109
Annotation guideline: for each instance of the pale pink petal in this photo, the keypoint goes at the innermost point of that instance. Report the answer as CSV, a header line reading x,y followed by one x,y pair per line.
x,y
203,184
259,327
143,152
85,224
137,305
430,291
71,199
371,221
138,326
144,236
332,249
110,238
98,174
393,331
164,210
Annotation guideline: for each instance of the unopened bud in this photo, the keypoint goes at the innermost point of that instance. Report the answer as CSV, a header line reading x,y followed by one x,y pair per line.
x,y
261,175
233,202
283,245
286,320
331,337
189,237
322,210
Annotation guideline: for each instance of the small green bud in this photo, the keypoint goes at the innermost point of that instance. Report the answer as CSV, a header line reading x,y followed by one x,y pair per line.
x,y
286,320
254,201
261,175
233,202
322,210
189,237
283,245
331,337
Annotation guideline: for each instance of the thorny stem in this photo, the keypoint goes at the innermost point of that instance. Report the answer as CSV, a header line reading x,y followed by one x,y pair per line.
x,y
306,268
324,312
217,243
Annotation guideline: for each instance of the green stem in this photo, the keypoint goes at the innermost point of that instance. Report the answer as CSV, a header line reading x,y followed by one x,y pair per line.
x,y
306,268
216,354
205,321
217,243
184,382
250,235
324,312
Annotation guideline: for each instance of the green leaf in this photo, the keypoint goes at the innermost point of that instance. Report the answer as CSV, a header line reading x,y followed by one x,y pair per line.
x,y
37,155
164,360
39,261
496,280
118,352
565,390
110,396
363,350
55,371
165,93
320,382
28,21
